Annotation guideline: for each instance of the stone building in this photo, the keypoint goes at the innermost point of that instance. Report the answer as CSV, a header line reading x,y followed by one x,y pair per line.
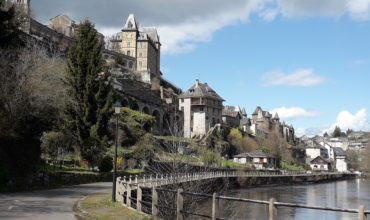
x,y
63,24
264,123
202,109
143,44
257,158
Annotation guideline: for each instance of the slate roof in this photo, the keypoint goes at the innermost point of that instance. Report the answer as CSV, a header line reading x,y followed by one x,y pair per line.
x,y
339,151
264,113
152,33
319,159
255,153
245,121
202,90
131,19
231,111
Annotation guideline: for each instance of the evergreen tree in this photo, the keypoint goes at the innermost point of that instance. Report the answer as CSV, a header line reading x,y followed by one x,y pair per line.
x,y
88,113
9,27
337,132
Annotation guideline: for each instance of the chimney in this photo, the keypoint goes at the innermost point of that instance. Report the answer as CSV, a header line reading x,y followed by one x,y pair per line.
x,y
196,83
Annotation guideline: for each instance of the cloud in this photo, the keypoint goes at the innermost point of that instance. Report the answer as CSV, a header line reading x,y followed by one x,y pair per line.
x,y
269,14
183,24
293,113
346,120
299,77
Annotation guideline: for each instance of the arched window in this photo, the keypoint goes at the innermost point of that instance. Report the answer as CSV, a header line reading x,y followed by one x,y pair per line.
x,y
130,25
128,53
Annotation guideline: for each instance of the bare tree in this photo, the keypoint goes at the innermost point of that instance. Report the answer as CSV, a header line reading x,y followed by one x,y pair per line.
x,y
178,159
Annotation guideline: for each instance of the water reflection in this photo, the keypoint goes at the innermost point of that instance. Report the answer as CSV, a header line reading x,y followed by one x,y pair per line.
x,y
343,194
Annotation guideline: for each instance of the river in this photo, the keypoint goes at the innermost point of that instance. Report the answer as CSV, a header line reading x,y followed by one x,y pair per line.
x,y
342,194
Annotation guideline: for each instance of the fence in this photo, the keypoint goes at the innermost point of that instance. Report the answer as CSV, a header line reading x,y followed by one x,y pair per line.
x,y
152,184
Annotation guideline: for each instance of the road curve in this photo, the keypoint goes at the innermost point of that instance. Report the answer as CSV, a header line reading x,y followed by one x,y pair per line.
x,y
53,204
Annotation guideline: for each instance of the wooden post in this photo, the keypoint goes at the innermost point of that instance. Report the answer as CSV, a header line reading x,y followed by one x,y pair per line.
x,y
128,195
139,196
272,210
180,204
214,206
154,202
361,213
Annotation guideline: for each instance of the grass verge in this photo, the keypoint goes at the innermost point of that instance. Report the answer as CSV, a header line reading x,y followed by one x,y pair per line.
x,y
99,206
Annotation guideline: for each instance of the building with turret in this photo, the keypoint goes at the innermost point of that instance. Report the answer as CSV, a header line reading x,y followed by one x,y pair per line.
x,y
202,109
142,44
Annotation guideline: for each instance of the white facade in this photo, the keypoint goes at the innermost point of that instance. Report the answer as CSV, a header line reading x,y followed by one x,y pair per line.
x,y
341,164
313,152
319,167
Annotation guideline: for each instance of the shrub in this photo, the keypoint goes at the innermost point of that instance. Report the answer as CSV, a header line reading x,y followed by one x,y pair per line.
x,y
106,164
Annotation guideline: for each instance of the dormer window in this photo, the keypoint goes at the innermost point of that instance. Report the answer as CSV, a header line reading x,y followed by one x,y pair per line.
x,y
129,25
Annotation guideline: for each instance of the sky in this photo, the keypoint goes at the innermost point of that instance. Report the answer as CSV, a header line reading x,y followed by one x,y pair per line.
x,y
308,60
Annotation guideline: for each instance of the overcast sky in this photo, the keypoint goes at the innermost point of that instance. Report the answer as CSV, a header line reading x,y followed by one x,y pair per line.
x,y
288,56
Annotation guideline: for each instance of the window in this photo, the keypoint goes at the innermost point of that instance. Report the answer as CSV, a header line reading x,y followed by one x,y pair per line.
x,y
130,25
128,53
140,54
140,63
182,108
128,44
182,100
130,65
201,109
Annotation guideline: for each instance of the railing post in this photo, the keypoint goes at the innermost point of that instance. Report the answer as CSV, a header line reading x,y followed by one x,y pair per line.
x,y
135,178
154,202
180,204
128,196
272,209
214,206
139,196
361,213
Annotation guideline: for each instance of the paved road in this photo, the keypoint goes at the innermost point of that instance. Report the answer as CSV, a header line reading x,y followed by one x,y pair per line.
x,y
51,204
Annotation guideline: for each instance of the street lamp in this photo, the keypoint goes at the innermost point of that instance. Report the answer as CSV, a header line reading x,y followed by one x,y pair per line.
x,y
117,111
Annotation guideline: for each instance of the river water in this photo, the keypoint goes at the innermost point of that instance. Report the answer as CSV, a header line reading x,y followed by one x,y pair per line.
x,y
342,194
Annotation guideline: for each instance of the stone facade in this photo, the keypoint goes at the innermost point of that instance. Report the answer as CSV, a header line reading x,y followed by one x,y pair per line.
x,y
264,123
142,44
202,109
64,25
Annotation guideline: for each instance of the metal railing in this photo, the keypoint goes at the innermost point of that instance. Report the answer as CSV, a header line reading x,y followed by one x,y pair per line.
x,y
153,183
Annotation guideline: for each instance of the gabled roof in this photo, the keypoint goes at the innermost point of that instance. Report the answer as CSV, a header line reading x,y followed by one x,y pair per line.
x,y
131,23
276,116
319,160
339,151
255,153
201,90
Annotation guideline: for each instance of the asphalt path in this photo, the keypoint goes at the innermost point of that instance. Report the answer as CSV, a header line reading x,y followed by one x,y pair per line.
x,y
53,204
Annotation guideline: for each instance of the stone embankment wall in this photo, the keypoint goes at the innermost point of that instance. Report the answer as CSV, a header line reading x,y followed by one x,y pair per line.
x,y
284,180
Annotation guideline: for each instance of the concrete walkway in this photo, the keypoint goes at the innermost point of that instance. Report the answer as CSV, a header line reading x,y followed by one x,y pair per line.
x,y
51,204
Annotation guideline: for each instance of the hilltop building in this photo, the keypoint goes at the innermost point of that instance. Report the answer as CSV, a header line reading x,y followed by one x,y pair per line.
x,y
142,44
202,108
263,122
